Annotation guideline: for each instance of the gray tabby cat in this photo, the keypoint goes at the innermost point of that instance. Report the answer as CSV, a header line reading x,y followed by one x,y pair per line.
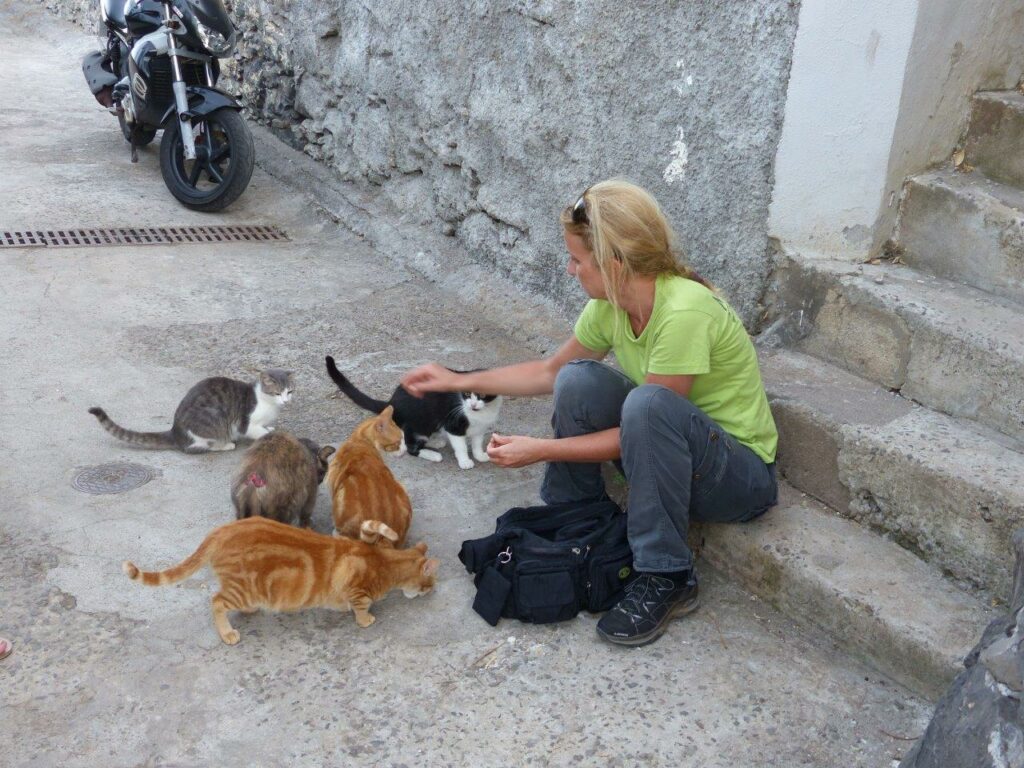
x,y
214,413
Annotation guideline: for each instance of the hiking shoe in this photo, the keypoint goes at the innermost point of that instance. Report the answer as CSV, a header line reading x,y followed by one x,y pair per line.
x,y
650,602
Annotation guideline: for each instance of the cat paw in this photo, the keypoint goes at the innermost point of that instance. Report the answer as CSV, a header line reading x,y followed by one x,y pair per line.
x,y
231,638
429,455
466,463
481,457
365,621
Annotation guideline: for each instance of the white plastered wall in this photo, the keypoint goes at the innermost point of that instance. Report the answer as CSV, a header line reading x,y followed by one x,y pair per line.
x,y
841,112
880,90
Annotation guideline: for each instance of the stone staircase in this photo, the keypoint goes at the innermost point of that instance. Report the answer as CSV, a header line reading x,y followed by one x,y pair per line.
x,y
898,389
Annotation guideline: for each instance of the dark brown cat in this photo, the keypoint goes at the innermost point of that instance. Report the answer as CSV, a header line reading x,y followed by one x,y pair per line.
x,y
367,501
214,414
265,564
279,477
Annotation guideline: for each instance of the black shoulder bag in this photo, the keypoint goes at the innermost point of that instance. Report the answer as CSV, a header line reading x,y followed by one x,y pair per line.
x,y
547,563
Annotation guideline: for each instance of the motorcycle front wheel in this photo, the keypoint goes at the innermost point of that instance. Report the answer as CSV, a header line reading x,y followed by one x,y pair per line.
x,y
223,165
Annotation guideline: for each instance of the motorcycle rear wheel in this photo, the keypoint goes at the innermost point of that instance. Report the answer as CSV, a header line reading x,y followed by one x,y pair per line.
x,y
225,157
143,136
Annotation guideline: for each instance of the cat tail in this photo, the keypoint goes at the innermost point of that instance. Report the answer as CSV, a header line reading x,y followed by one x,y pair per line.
x,y
182,570
346,386
145,439
371,531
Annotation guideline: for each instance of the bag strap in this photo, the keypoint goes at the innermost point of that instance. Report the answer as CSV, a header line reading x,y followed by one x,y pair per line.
x,y
492,590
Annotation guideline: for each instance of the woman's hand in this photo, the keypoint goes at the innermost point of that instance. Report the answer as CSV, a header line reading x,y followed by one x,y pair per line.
x,y
515,450
430,377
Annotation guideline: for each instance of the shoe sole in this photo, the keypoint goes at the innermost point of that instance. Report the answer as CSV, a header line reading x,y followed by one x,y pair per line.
x,y
682,609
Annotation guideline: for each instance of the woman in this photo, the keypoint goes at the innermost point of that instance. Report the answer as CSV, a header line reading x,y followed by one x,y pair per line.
x,y
687,417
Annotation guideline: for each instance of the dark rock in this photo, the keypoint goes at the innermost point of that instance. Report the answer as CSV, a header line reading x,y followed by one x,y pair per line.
x,y
979,722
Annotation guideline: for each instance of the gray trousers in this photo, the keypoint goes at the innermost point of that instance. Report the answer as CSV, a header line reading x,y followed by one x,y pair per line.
x,y
679,464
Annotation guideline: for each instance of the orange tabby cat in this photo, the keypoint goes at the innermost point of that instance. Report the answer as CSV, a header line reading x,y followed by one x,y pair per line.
x,y
369,503
262,563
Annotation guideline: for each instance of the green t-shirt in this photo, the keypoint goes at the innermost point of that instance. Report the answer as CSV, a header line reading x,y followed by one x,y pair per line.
x,y
694,332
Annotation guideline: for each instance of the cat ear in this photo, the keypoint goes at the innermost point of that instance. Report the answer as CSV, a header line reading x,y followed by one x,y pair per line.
x,y
326,451
388,412
421,546
430,566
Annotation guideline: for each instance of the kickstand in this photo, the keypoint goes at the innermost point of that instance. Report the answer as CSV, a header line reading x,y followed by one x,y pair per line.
x,y
135,151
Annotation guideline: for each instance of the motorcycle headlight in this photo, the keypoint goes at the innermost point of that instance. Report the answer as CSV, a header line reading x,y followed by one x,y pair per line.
x,y
214,41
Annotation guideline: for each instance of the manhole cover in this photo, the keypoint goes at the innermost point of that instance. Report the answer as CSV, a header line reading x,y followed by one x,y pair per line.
x,y
76,238
112,478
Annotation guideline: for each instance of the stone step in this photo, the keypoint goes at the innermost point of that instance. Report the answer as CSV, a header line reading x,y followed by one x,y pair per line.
x,y
950,491
995,136
965,227
883,604
947,346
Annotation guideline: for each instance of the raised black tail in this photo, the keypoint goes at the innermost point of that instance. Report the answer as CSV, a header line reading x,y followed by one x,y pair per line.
x,y
346,386
145,439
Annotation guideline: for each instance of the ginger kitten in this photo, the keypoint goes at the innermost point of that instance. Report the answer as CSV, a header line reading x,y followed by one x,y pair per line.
x,y
265,564
368,502
279,478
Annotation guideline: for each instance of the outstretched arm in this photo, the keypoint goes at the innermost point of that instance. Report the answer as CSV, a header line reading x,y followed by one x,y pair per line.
x,y
521,450
533,377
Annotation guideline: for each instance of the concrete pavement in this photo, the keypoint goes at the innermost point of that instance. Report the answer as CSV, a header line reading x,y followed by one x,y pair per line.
x,y
106,672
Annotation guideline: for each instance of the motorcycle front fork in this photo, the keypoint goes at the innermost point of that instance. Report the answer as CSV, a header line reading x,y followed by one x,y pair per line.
x,y
180,94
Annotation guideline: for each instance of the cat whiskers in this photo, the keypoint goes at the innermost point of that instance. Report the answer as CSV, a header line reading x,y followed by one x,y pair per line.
x,y
460,408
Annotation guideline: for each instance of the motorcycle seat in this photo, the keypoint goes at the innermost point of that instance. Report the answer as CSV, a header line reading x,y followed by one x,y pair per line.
x,y
113,13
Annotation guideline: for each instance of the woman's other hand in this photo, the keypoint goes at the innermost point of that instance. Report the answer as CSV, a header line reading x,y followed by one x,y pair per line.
x,y
515,450
429,377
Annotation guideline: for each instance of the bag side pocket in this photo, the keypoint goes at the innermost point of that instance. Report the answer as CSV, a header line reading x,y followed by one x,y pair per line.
x,y
545,595
607,576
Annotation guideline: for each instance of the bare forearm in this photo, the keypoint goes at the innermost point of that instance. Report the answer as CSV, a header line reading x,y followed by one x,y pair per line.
x,y
533,377
521,450
597,446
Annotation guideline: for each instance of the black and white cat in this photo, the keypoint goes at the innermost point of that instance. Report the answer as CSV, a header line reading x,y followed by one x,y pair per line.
x,y
214,413
465,418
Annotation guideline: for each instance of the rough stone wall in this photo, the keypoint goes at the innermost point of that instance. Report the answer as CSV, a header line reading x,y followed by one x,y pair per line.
x,y
482,120
85,13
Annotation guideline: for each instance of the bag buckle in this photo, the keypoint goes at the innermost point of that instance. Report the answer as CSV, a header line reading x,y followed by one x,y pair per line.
x,y
506,556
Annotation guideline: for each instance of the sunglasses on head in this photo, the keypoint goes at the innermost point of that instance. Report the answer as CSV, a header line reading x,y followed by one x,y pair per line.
x,y
579,211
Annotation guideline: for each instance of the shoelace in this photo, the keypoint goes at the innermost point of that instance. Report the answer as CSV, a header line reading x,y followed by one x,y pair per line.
x,y
635,592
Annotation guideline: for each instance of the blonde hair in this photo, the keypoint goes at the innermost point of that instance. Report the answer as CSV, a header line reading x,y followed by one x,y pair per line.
x,y
619,221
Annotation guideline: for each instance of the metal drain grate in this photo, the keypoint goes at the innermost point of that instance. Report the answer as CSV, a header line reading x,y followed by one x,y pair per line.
x,y
77,238
112,478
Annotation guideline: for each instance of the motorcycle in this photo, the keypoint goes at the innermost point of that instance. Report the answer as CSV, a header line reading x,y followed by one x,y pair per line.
x,y
159,71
